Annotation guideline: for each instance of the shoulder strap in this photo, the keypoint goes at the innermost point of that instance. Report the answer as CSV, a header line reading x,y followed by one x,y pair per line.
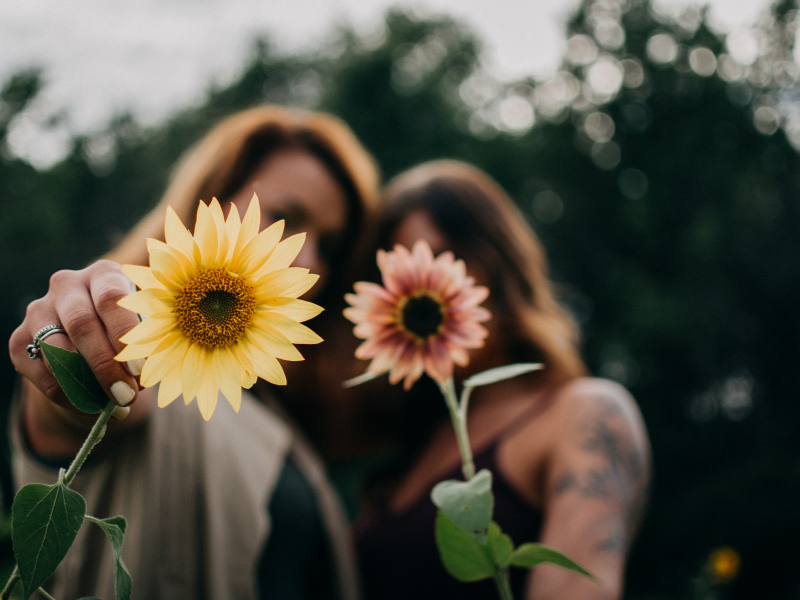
x,y
538,406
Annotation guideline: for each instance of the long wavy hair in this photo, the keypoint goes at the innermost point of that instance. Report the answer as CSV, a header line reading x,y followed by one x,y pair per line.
x,y
484,227
218,166
223,160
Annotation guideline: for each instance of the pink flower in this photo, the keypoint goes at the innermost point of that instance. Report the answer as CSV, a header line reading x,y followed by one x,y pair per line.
x,y
424,318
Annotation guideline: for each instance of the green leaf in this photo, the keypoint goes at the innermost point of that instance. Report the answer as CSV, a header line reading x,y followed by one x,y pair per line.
x,y
462,555
76,379
500,546
469,504
501,373
44,522
115,531
363,378
529,555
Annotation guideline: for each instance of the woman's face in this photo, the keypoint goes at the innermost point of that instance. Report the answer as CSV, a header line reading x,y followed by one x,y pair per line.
x,y
418,225
295,186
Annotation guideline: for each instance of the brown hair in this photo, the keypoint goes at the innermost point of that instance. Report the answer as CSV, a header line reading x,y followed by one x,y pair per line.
x,y
220,163
484,227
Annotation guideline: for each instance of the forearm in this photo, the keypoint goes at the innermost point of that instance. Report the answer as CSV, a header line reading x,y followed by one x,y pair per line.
x,y
55,432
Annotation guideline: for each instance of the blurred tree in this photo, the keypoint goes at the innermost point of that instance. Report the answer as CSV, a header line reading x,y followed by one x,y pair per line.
x,y
660,168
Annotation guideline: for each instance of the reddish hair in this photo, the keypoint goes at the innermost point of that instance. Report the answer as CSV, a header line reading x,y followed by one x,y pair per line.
x,y
484,227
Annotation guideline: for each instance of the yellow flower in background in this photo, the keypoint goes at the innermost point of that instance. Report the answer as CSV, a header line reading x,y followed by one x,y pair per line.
x,y
423,319
723,564
222,306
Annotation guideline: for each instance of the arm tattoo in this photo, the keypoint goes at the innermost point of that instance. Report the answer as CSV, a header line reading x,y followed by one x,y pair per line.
x,y
618,474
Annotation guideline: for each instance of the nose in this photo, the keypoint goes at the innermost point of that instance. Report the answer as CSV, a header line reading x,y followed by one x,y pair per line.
x,y
309,258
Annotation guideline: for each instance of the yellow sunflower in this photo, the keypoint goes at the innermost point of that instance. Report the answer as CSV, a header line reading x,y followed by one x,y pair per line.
x,y
222,306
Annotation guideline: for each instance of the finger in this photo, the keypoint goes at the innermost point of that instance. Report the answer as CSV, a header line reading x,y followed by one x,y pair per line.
x,y
39,314
78,315
107,287
34,370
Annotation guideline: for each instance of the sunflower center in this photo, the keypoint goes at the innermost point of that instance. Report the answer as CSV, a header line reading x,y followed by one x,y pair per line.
x,y
215,308
422,315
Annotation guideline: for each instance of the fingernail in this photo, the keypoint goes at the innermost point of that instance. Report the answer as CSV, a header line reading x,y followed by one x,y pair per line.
x,y
121,413
122,392
135,366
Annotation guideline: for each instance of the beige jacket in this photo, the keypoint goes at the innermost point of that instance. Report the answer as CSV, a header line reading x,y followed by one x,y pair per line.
x,y
195,498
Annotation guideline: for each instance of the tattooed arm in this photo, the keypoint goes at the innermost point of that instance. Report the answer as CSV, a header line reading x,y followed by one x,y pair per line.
x,y
594,486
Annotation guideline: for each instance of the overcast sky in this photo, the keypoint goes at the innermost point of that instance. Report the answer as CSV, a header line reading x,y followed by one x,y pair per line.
x,y
154,56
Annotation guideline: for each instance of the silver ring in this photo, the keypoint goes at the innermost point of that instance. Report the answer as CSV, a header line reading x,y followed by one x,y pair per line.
x,y
35,349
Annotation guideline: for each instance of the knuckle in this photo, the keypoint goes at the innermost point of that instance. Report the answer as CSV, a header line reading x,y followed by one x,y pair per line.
x,y
104,366
104,266
35,307
107,297
80,321
51,389
61,278
15,342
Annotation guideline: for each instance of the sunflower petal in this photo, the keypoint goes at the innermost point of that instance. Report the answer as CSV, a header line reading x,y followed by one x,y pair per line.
x,y
233,225
194,370
299,310
265,365
247,368
179,237
161,363
226,372
283,255
184,261
151,329
277,282
260,248
134,351
295,332
273,343
142,276
222,232
148,302
170,387
249,229
207,397
300,288
167,269
205,234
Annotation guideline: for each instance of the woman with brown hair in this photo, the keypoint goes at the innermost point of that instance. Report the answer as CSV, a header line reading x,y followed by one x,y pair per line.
x,y
238,507
569,453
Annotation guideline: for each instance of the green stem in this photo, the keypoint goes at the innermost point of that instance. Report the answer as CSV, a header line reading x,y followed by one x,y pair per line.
x,y
503,584
460,426
45,594
10,584
95,435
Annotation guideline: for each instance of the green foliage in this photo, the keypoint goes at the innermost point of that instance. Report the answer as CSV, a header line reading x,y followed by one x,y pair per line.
x,y
76,379
530,555
114,528
466,559
500,546
45,519
468,504
501,373
463,556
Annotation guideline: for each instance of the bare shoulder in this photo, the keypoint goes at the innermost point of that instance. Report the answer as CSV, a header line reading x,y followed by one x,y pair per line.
x,y
591,400
603,450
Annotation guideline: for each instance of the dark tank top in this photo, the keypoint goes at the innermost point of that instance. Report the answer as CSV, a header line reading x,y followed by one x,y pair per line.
x,y
397,552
